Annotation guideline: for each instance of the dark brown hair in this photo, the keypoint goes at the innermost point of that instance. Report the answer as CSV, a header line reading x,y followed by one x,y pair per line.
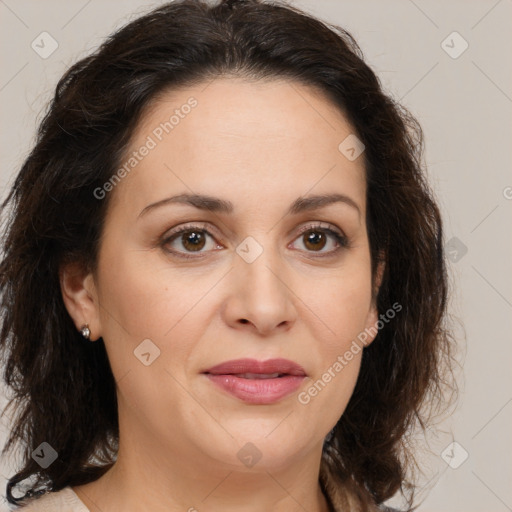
x,y
63,389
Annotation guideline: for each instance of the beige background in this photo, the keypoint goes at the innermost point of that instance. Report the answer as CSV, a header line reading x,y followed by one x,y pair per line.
x,y
464,105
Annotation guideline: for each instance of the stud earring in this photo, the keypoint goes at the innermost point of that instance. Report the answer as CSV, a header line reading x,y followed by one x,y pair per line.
x,y
85,331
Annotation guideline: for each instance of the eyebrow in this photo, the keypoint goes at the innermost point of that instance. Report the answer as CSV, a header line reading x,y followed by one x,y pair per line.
x,y
217,205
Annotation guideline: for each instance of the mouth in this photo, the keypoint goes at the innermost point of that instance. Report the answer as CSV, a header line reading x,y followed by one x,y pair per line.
x,y
257,382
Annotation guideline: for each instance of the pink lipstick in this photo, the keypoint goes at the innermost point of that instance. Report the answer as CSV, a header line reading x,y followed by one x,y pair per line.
x,y
257,382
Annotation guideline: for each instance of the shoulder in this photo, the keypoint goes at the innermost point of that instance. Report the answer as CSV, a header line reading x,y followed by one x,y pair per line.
x,y
64,500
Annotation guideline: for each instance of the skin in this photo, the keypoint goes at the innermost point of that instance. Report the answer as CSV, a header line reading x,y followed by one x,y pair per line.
x,y
260,145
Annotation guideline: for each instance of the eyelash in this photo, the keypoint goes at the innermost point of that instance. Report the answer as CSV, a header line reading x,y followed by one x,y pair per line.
x,y
340,238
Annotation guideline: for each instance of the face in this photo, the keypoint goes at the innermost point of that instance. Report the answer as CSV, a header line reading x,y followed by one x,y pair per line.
x,y
255,273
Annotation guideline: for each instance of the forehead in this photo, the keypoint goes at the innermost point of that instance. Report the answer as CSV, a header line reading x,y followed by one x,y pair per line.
x,y
241,139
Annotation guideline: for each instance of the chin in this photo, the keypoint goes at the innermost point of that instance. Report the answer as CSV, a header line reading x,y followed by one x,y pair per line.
x,y
254,451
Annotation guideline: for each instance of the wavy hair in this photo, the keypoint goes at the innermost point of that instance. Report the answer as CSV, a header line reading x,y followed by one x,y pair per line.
x,y
63,390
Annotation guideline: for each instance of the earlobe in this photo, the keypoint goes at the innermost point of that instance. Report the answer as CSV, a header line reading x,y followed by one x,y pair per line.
x,y
80,298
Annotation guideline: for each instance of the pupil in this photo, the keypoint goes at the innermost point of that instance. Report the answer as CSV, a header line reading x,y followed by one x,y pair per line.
x,y
314,238
194,239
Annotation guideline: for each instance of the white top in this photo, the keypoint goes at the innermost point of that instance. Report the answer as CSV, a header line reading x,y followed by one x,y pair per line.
x,y
65,500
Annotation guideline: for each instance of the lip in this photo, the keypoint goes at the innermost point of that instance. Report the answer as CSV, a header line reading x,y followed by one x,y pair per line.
x,y
284,366
257,390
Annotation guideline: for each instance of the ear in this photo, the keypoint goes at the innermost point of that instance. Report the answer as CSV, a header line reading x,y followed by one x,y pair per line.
x,y
80,297
371,329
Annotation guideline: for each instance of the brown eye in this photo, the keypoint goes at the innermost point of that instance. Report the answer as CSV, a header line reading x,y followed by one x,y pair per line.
x,y
193,240
314,240
189,239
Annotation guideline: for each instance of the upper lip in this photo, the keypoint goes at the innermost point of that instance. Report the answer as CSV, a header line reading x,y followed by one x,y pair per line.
x,y
283,366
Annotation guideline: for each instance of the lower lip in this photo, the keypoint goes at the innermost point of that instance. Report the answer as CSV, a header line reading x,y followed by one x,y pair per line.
x,y
258,391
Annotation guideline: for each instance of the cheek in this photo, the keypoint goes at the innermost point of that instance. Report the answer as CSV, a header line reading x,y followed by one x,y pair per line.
x,y
342,304
147,309
144,298
346,312
327,394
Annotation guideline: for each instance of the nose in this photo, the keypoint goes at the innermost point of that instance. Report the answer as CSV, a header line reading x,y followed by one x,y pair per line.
x,y
260,299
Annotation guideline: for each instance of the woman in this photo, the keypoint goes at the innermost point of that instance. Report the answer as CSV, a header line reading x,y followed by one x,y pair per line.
x,y
223,283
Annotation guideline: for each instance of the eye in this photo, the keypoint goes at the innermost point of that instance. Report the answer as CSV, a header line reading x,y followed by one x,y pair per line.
x,y
192,238
316,237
